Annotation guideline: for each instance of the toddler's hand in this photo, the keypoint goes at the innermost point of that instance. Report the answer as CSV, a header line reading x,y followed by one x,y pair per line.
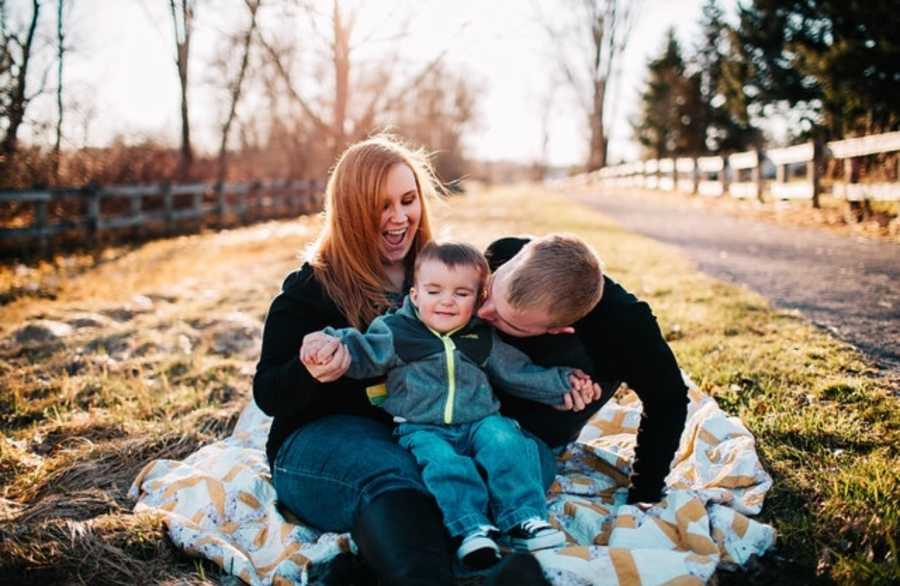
x,y
583,392
582,384
324,356
590,391
318,348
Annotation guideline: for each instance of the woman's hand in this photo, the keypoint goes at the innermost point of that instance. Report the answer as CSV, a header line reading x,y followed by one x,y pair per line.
x,y
317,348
324,357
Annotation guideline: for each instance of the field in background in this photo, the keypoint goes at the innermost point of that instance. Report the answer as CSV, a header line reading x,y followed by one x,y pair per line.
x,y
150,353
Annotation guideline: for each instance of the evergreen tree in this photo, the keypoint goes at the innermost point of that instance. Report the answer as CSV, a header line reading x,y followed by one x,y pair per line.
x,y
837,59
671,117
723,131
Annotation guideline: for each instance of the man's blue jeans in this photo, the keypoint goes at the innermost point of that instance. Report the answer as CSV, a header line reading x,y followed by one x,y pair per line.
x,y
332,468
450,456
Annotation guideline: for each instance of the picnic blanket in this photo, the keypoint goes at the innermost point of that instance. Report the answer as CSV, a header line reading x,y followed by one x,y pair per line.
x,y
219,503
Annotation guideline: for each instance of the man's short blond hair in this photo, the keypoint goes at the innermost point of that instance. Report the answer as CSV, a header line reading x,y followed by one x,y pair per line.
x,y
560,274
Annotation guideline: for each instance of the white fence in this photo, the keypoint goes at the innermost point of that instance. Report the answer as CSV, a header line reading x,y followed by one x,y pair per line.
x,y
786,173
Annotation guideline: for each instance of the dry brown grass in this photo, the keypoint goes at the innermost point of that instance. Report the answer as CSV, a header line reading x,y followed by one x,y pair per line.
x,y
157,363
105,549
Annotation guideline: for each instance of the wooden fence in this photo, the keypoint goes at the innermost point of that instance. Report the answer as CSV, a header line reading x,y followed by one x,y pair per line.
x,y
95,212
786,173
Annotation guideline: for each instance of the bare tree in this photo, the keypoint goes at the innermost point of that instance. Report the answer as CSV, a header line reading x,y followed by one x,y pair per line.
x,y
183,22
437,113
236,86
60,51
359,102
589,42
342,29
14,62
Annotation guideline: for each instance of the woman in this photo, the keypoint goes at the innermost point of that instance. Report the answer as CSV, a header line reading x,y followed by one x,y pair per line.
x,y
333,459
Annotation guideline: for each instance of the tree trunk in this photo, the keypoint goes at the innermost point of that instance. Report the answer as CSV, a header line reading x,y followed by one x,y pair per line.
x,y
341,58
182,48
252,6
60,38
187,152
597,155
604,26
19,100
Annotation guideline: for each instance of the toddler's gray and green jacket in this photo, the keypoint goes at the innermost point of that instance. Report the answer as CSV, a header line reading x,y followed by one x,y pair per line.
x,y
444,379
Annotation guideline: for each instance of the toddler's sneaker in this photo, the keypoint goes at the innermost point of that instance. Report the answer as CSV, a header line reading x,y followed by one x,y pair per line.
x,y
534,534
478,550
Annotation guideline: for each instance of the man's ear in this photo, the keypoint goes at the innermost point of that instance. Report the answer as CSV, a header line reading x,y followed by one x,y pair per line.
x,y
561,330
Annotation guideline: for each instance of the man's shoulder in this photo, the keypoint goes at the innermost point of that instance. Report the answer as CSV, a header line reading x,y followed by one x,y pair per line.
x,y
616,305
503,249
616,295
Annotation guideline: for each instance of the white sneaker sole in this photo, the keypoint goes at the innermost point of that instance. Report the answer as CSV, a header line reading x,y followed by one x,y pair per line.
x,y
475,544
546,541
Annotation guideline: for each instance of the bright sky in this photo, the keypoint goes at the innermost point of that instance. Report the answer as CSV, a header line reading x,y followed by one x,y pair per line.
x,y
122,67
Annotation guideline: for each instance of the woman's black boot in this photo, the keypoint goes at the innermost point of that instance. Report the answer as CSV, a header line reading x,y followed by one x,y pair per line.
x,y
347,569
401,538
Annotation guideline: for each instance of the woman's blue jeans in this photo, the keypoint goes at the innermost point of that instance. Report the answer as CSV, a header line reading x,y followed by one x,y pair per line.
x,y
329,470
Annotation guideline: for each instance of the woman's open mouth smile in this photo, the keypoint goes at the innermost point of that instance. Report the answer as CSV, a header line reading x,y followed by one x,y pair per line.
x,y
394,239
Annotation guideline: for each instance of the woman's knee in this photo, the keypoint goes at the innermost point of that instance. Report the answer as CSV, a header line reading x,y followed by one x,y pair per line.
x,y
396,470
326,470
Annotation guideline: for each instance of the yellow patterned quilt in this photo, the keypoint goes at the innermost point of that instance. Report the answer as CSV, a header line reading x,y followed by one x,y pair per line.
x,y
219,503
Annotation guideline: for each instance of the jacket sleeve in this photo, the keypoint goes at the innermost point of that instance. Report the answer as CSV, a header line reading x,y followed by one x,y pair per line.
x,y
511,370
372,354
282,386
650,369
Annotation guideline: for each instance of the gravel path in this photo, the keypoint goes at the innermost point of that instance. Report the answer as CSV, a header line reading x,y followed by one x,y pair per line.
x,y
850,286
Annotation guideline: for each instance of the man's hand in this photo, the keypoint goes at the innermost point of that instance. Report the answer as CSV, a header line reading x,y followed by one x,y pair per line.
x,y
583,392
324,357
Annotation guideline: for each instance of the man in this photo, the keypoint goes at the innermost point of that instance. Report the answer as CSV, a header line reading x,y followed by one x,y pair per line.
x,y
550,299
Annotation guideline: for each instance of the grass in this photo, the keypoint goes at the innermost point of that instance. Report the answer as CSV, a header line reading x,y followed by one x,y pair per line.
x,y
159,375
